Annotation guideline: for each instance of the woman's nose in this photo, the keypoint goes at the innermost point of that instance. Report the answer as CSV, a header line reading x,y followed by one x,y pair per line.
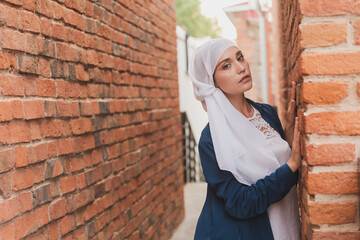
x,y
240,66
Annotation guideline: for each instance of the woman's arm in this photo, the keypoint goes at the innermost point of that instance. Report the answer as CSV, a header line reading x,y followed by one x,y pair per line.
x,y
242,201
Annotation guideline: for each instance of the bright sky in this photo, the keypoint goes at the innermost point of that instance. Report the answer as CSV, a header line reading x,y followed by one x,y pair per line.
x,y
214,9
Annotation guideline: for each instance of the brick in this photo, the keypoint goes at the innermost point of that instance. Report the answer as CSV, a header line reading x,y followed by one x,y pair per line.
x,y
51,128
41,234
7,160
78,5
17,109
13,40
7,232
25,201
358,89
2,65
10,61
37,153
29,5
5,111
81,180
79,38
86,108
54,231
324,93
84,143
332,213
9,16
21,156
9,209
44,7
31,43
327,123
22,179
44,68
58,10
50,109
43,215
70,204
45,88
333,183
29,86
11,85
66,146
65,127
68,184
81,74
25,225
41,195
330,235
81,199
79,233
73,18
67,224
5,184
5,134
35,130
319,64
28,64
57,208
326,8
67,109
60,32
90,211
330,154
77,126
15,2
46,47
29,21
67,53
34,109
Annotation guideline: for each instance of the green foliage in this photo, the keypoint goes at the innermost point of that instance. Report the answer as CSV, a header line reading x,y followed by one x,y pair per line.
x,y
190,18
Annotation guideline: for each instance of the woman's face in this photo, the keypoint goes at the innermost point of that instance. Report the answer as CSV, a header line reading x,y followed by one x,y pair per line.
x,y
232,73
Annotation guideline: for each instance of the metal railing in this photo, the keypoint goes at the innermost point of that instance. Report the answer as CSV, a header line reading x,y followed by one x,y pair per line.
x,y
192,167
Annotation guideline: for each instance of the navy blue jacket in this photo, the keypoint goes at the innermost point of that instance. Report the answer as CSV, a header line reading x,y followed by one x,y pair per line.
x,y
233,211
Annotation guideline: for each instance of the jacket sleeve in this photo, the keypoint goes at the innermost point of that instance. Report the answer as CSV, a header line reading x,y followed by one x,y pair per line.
x,y
242,201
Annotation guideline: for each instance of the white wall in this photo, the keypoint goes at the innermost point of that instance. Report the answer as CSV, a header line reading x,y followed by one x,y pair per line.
x,y
193,108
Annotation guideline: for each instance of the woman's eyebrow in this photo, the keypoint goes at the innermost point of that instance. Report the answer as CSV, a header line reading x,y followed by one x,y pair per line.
x,y
227,59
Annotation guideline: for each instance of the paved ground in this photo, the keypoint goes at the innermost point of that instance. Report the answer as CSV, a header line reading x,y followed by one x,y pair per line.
x,y
194,195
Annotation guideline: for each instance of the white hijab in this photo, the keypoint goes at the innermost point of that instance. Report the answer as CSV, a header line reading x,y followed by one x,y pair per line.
x,y
239,146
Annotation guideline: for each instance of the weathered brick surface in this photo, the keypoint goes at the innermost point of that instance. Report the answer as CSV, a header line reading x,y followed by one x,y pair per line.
x,y
324,93
323,34
317,43
90,130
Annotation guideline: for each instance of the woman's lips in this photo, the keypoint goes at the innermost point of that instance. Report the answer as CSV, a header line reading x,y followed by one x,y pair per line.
x,y
245,78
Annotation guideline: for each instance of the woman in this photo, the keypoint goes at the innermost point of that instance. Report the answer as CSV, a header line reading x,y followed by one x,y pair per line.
x,y
245,153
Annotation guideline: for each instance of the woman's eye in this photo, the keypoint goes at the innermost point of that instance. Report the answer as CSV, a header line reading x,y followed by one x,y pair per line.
x,y
240,58
226,66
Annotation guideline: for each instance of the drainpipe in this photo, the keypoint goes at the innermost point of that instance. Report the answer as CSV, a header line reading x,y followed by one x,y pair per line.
x,y
187,51
263,52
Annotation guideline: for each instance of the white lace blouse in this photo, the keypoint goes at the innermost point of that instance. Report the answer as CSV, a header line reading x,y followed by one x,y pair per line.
x,y
282,152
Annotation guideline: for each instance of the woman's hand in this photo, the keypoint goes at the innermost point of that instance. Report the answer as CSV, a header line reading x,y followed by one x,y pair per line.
x,y
290,116
295,159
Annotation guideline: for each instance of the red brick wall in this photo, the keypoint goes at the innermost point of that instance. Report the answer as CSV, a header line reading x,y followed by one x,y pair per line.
x,y
90,129
326,72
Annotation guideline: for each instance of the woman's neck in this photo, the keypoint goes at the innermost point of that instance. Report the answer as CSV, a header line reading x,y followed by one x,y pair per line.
x,y
240,103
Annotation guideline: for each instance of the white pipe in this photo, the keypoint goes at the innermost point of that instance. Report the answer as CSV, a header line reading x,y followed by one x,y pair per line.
x,y
263,52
